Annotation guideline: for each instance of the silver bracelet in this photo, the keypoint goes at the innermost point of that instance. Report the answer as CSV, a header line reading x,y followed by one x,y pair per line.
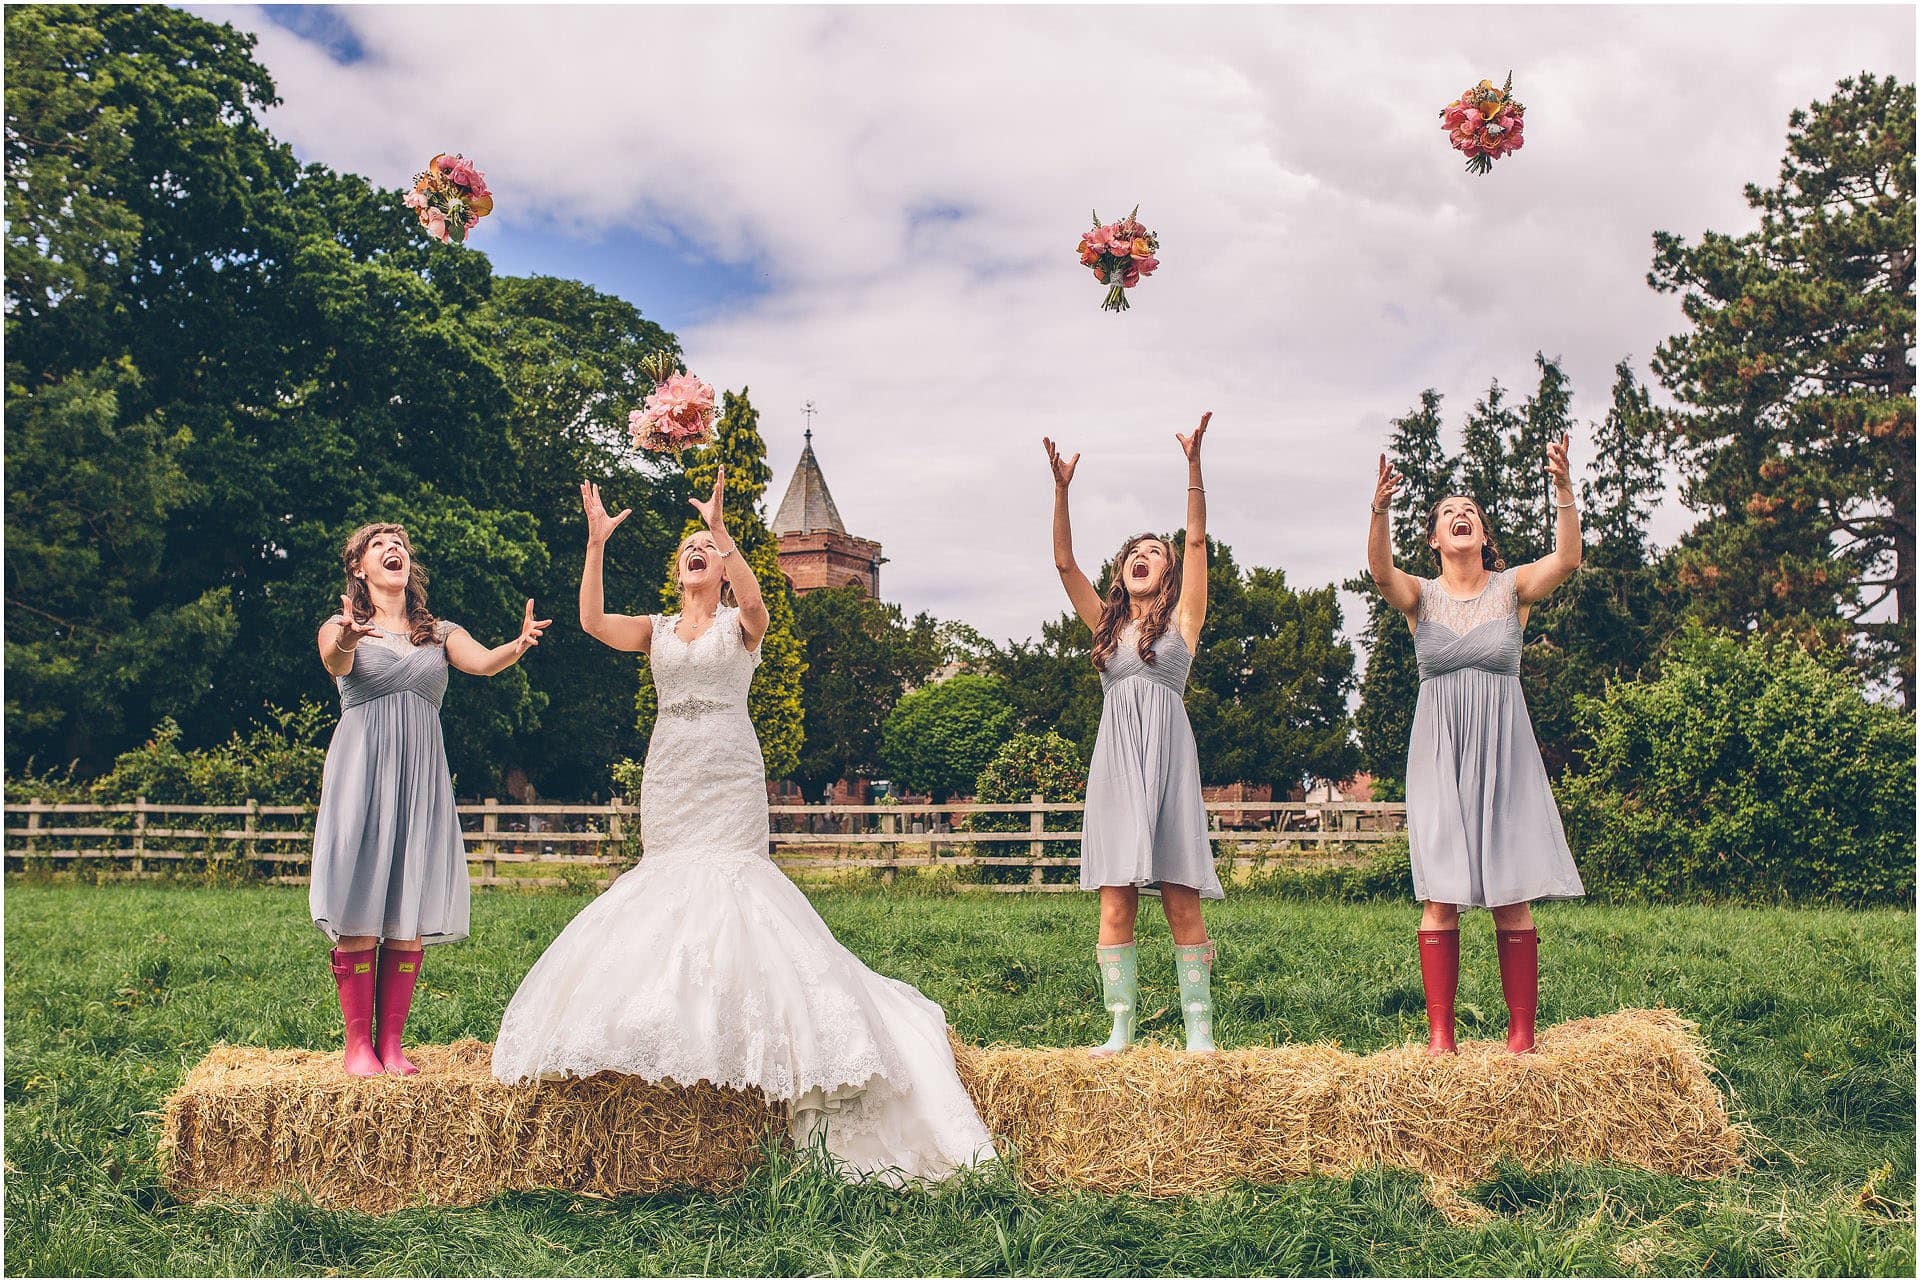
x,y
1558,503
1379,511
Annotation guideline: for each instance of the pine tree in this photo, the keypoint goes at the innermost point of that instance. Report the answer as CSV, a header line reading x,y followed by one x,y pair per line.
x,y
1486,458
1797,371
774,701
1384,719
1527,512
1627,480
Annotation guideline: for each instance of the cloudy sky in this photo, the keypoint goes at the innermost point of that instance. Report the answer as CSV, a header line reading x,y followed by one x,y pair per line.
x,y
875,208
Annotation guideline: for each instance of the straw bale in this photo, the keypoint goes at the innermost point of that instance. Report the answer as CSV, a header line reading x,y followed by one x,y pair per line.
x,y
1631,1088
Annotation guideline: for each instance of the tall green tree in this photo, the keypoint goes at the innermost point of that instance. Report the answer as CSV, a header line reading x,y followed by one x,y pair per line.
x,y
861,655
1384,720
774,702
572,359
1796,373
1268,695
1627,477
1487,458
1526,508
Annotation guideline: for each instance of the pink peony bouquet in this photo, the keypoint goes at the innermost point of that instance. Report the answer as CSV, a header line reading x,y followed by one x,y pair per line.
x,y
449,198
1119,254
678,413
1485,124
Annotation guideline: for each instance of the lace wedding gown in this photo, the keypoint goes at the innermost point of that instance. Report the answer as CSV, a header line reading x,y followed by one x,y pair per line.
x,y
705,962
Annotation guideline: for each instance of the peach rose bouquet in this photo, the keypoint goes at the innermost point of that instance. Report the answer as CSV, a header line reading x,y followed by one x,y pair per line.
x,y
1119,253
677,414
449,197
1485,124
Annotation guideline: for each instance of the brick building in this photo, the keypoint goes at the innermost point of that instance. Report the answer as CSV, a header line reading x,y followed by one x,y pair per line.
x,y
815,549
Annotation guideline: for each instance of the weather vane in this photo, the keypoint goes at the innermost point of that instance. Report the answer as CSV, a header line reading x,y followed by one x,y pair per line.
x,y
809,411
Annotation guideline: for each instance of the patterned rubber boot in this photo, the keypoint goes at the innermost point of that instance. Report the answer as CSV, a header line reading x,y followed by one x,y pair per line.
x,y
1195,962
1520,983
1440,976
399,972
1120,985
353,976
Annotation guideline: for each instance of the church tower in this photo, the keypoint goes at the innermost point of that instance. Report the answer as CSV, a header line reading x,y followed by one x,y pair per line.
x,y
815,549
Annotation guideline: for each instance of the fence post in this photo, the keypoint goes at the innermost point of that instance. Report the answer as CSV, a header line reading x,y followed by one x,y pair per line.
x,y
250,845
1036,824
616,828
139,835
489,844
33,825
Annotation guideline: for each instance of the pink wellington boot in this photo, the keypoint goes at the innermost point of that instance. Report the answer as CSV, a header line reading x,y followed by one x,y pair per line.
x,y
353,976
1440,976
399,972
1520,982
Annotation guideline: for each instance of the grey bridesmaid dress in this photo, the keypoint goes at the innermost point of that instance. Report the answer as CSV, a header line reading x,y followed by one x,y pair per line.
x,y
388,857
1146,821
1481,819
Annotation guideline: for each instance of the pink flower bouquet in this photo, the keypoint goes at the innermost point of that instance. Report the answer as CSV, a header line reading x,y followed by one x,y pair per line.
x,y
449,198
1119,254
1485,124
678,413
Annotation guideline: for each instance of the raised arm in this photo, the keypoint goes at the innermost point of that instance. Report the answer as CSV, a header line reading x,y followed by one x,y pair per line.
x,y
621,631
1192,608
1536,579
733,563
468,655
1401,590
338,639
1080,589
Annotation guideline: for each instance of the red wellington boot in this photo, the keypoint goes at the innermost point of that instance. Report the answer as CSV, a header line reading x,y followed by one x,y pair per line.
x,y
399,972
1520,981
1440,976
353,976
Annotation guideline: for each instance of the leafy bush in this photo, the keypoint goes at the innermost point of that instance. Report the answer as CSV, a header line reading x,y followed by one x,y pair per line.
x,y
940,737
1747,768
278,763
1048,764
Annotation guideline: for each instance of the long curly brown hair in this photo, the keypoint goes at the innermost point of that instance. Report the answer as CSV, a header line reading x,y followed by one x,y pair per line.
x,y
1117,608
420,620
1490,555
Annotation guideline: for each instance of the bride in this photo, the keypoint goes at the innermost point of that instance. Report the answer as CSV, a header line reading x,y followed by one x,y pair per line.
x,y
704,961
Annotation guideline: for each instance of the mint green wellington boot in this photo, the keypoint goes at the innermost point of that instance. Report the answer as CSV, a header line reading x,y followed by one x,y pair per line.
x,y
1120,984
1195,962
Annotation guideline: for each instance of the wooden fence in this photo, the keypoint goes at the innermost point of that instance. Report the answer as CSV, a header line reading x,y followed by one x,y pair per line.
x,y
1035,842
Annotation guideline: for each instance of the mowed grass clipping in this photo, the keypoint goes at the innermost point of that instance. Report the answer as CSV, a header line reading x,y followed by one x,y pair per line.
x,y
113,992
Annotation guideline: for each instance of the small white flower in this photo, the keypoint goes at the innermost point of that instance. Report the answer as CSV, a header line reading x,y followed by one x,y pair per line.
x,y
1193,977
1113,973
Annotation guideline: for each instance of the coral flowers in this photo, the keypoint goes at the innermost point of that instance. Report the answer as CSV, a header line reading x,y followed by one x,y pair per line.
x,y
449,198
1119,254
1485,124
678,413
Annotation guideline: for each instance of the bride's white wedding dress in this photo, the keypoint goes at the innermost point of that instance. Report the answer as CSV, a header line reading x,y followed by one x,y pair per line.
x,y
705,962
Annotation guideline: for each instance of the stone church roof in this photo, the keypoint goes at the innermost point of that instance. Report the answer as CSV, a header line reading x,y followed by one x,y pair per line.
x,y
808,507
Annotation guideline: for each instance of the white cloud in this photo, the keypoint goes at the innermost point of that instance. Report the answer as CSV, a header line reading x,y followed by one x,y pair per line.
x,y
1325,257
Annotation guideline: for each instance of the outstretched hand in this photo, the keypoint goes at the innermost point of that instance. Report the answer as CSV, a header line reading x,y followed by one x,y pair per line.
x,y
711,511
1062,468
599,524
1558,467
1385,485
1190,445
530,630
352,632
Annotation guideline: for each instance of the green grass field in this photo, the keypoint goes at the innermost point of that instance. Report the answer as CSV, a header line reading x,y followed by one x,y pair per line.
x,y
113,992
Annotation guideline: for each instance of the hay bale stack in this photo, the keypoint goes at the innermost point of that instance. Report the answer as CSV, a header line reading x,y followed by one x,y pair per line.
x,y
247,1123
1629,1088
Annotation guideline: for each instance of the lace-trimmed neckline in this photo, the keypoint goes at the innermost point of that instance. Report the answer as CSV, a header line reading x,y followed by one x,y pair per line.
x,y
673,625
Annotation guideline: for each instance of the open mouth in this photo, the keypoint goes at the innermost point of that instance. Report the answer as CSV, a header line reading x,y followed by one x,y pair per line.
x,y
392,561
1462,527
696,562
1139,569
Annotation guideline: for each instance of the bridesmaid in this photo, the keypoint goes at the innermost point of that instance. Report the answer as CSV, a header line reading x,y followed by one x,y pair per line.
x,y
389,867
1146,822
1481,819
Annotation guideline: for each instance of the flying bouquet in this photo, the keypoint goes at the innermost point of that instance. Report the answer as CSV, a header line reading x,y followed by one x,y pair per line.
x,y
1119,254
677,414
449,198
1485,124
